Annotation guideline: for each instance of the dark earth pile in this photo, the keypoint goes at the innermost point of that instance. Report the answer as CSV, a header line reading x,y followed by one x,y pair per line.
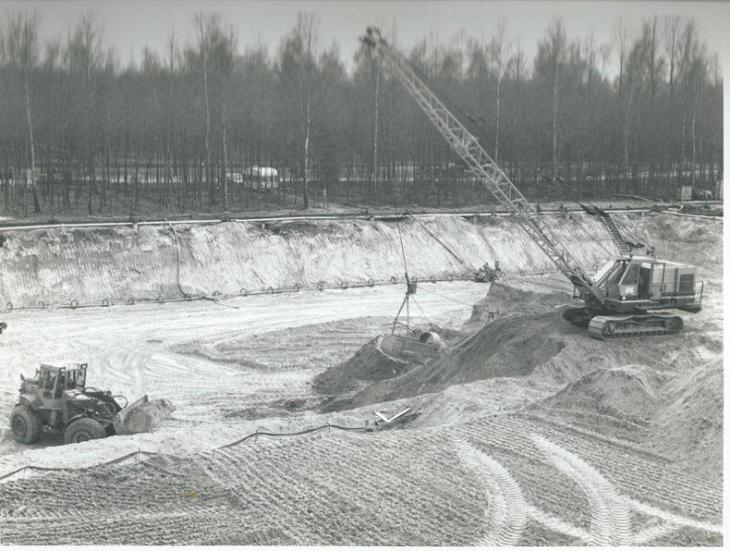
x,y
368,364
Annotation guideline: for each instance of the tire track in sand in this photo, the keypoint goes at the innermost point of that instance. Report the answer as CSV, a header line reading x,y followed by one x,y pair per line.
x,y
673,519
611,519
557,525
506,513
652,533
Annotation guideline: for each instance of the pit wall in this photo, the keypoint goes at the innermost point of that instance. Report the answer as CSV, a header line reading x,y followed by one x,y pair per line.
x,y
61,267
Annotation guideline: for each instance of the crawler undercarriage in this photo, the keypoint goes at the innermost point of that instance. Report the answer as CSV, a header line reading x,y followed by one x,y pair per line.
x,y
624,325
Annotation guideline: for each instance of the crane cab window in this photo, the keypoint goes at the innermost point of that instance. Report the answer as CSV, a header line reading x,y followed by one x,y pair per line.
x,y
603,271
631,275
629,285
609,276
658,274
615,274
686,284
644,279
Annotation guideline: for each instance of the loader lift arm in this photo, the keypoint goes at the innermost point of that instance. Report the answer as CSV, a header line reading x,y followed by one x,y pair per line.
x,y
468,148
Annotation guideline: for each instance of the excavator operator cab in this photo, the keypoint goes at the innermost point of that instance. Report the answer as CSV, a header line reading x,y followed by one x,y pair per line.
x,y
638,280
623,278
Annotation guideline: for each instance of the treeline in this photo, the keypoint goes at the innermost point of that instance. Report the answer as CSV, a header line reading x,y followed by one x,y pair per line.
x,y
77,128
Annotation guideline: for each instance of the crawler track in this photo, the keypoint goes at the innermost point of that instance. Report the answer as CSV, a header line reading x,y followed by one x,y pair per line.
x,y
659,323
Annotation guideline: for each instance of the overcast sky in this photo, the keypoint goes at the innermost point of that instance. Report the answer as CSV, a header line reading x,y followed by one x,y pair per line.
x,y
131,24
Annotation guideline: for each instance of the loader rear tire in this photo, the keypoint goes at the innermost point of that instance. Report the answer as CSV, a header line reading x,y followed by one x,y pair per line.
x,y
82,430
25,424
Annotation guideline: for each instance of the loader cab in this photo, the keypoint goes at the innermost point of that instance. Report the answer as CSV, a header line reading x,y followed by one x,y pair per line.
x,y
76,377
52,381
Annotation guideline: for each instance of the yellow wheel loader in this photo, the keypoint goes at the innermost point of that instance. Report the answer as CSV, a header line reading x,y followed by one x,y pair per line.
x,y
57,400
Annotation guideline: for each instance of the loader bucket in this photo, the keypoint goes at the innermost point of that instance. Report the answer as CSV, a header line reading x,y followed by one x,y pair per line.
x,y
142,415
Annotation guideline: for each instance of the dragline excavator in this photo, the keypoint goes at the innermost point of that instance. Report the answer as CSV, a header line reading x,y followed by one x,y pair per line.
x,y
626,296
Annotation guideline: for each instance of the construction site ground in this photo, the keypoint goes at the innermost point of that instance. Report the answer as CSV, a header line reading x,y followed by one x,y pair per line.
x,y
527,431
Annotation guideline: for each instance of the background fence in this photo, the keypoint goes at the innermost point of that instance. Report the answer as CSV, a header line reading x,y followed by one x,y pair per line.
x,y
130,187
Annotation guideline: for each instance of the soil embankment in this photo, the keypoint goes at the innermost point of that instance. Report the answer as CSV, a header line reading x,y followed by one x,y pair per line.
x,y
118,265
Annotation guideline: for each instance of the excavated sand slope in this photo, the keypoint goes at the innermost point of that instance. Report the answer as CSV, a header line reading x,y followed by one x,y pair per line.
x,y
527,337
92,265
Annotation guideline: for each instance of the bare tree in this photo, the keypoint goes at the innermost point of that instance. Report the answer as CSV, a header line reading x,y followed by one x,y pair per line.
x,y
604,53
22,51
695,82
224,50
552,52
83,53
517,64
672,26
171,48
374,64
655,61
202,24
499,50
307,26
621,38
302,111
687,71
298,64
620,43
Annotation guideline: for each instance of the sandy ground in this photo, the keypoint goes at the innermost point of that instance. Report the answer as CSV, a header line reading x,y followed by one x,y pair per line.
x,y
530,460
535,434
140,357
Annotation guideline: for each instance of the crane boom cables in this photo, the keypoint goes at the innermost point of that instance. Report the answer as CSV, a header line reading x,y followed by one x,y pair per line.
x,y
409,287
481,163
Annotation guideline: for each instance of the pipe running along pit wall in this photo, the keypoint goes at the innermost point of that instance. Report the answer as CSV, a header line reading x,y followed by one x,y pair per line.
x,y
99,266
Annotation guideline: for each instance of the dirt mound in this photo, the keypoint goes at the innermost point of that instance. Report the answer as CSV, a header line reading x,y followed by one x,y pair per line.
x,y
689,427
503,300
619,392
371,364
368,364
513,345
510,347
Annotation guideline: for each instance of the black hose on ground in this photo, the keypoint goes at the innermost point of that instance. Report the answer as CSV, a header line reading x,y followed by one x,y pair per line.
x,y
297,433
185,295
177,250
239,441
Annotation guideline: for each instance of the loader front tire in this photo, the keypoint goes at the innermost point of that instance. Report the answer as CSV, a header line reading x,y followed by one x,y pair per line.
x,y
82,430
25,424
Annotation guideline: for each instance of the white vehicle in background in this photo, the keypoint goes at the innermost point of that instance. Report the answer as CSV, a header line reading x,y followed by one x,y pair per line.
x,y
234,177
261,178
